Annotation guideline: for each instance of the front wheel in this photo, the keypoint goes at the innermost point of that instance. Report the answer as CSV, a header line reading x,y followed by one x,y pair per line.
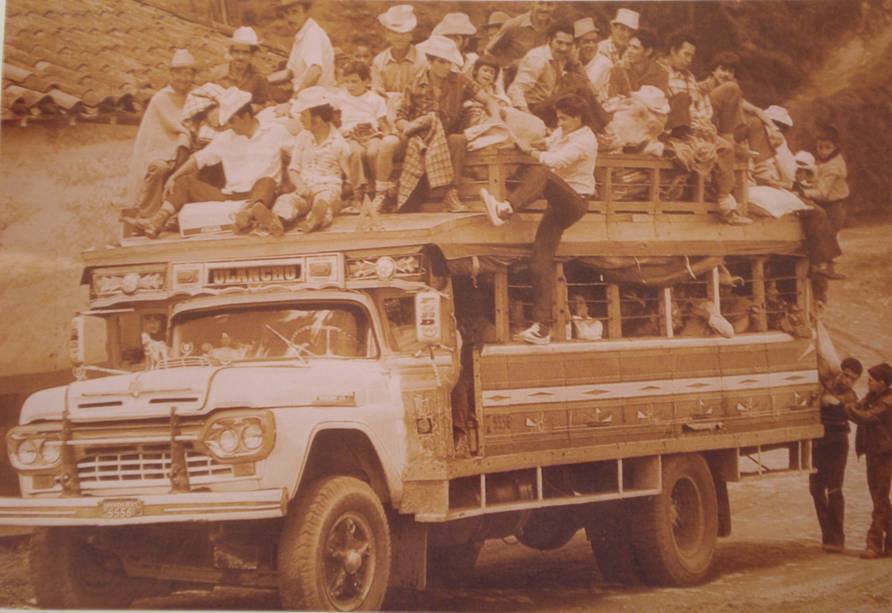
x,y
69,571
678,528
334,552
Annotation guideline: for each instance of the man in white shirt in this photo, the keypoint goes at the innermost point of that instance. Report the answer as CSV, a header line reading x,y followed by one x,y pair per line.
x,y
252,156
311,61
565,176
319,161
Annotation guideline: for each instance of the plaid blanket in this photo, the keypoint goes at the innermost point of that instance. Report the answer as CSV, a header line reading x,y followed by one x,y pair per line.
x,y
427,152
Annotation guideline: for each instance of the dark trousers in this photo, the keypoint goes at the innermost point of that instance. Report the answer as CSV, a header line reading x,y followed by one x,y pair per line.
x,y
565,208
825,485
879,478
190,188
458,147
820,235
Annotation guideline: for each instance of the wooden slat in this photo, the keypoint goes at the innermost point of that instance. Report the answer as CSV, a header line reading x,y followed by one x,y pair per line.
x,y
500,287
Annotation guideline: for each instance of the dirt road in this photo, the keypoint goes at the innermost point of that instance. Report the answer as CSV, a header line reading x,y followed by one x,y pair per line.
x,y
773,560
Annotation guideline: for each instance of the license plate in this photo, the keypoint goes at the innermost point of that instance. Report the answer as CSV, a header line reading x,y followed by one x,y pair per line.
x,y
122,509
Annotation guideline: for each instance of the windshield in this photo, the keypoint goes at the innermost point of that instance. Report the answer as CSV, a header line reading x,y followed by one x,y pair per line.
x,y
265,332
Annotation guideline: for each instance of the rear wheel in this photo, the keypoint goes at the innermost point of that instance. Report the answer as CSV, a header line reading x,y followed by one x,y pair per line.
x,y
334,552
70,572
678,528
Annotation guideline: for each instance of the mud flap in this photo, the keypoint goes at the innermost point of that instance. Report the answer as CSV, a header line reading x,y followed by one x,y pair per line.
x,y
409,544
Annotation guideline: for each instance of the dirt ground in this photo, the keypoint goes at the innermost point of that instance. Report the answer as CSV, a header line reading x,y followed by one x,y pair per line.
x,y
773,559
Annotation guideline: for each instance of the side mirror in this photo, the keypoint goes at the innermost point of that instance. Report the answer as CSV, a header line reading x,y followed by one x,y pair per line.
x,y
429,317
88,342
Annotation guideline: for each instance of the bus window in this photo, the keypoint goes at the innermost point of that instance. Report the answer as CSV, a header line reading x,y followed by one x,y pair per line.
x,y
400,320
690,300
736,296
640,311
475,308
520,298
782,301
588,302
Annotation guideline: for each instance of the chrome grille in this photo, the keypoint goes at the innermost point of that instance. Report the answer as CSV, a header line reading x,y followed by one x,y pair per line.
x,y
145,465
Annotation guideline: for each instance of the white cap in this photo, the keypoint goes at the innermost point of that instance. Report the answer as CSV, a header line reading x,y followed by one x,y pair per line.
x,y
310,98
231,101
442,47
455,23
400,18
584,26
182,59
780,115
627,17
804,160
245,36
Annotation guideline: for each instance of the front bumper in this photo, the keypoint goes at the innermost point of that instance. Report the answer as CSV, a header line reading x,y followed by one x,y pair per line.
x,y
146,509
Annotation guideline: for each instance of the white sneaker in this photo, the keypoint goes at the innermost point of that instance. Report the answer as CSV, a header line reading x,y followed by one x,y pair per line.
x,y
497,210
536,334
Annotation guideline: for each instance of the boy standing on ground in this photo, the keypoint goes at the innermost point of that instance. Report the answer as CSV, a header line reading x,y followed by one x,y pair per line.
x,y
565,176
831,451
874,438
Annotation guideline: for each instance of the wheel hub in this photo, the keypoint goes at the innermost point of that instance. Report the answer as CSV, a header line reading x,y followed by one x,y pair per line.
x,y
350,561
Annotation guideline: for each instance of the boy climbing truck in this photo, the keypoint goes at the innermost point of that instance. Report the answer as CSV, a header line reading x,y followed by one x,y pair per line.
x,y
338,414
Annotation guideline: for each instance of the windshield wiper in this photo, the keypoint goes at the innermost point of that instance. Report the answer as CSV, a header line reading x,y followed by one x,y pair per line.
x,y
296,348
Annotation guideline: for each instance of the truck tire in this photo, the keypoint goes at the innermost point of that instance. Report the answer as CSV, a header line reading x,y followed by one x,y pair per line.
x,y
452,565
334,551
70,573
610,538
678,528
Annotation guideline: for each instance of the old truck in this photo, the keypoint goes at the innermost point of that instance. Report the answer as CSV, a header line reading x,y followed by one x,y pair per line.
x,y
338,414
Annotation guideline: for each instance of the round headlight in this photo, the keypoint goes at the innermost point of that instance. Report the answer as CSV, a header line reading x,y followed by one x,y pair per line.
x,y
51,451
385,268
252,437
228,440
27,451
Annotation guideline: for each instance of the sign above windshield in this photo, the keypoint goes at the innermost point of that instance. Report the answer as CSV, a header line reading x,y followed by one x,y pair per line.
x,y
319,270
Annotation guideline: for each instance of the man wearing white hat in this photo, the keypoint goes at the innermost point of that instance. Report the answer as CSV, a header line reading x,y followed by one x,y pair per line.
x,y
319,161
458,28
520,34
493,24
393,68
240,72
587,35
440,92
610,50
311,60
252,156
157,151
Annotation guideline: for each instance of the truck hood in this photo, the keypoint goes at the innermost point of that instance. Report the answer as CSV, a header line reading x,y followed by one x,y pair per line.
x,y
201,390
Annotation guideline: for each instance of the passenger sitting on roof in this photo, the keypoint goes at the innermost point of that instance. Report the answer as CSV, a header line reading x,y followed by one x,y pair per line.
x,y
363,124
637,67
487,75
520,34
396,66
778,171
696,142
638,121
430,114
565,176
610,51
489,30
550,72
311,60
587,36
159,147
239,71
320,159
458,28
252,157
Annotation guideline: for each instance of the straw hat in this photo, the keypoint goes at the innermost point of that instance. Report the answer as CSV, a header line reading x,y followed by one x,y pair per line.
x,y
231,101
182,59
653,98
400,18
584,26
779,114
626,17
496,19
310,98
804,160
441,47
245,36
455,23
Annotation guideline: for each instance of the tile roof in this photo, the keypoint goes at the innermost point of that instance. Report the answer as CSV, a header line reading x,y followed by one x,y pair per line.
x,y
99,60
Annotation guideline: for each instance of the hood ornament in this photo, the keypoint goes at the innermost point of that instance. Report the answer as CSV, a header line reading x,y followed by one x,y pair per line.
x,y
136,387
